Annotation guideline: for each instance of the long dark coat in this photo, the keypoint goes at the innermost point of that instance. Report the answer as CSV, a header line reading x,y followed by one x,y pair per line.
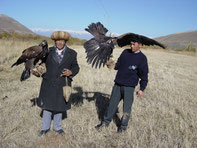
x,y
51,92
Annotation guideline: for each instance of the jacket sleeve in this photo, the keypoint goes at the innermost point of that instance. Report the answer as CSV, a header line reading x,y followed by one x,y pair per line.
x,y
118,63
143,75
75,67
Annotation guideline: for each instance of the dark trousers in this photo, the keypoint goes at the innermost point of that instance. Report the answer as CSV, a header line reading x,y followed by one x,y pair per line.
x,y
118,92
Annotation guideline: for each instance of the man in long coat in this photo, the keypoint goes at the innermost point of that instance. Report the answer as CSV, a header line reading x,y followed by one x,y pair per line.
x,y
61,67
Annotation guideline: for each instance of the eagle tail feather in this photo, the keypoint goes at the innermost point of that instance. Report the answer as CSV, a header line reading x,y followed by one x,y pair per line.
x,y
19,61
14,64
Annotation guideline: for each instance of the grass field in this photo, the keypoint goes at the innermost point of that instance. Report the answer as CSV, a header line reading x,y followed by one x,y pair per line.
x,y
166,116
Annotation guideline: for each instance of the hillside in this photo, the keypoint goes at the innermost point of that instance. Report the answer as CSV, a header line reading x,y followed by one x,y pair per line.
x,y
9,25
179,40
12,29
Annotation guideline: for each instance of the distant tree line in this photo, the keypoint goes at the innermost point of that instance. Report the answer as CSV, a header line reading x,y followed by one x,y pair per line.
x,y
73,41
190,48
28,37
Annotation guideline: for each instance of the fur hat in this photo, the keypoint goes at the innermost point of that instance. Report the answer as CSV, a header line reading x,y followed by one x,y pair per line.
x,y
60,35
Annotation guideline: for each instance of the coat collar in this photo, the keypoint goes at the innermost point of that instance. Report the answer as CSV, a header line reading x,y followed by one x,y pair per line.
x,y
67,53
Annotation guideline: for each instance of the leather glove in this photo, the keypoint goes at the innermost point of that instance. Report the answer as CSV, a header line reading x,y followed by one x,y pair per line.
x,y
39,70
110,64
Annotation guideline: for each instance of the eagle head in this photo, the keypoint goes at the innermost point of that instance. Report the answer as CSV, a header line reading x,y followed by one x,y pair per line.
x,y
43,43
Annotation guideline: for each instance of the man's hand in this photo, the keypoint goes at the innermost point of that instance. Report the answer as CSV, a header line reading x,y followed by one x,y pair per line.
x,y
139,93
66,72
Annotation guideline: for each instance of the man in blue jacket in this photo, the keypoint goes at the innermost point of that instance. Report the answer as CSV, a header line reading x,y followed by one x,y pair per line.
x,y
131,65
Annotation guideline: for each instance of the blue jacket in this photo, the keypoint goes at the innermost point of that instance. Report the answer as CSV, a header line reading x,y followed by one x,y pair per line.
x,y
132,67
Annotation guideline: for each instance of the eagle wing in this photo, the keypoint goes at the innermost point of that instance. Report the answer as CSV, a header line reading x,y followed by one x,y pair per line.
x,y
100,47
126,39
31,52
98,53
96,29
27,54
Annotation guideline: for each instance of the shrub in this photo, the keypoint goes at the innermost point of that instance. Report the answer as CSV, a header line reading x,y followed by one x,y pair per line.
x,y
191,48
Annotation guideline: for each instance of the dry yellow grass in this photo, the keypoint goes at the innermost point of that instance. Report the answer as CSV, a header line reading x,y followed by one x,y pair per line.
x,y
166,116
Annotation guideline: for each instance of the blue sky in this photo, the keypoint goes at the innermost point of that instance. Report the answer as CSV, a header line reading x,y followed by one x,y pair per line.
x,y
151,18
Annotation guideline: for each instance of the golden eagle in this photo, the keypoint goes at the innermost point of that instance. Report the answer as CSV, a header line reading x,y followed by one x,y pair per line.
x,y
100,47
31,57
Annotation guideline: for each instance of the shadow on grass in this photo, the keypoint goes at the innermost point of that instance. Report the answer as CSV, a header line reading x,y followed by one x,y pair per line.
x,y
101,102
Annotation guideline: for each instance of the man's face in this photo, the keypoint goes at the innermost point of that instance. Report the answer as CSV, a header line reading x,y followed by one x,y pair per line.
x,y
60,44
135,46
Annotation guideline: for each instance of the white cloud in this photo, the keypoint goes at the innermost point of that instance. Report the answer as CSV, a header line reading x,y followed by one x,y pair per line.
x,y
71,31
115,34
78,34
52,30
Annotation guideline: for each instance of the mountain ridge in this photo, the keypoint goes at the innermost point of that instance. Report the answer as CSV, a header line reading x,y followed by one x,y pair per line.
x,y
9,25
179,40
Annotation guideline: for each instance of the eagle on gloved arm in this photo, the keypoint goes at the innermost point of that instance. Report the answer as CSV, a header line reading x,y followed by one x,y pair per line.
x,y
100,47
30,57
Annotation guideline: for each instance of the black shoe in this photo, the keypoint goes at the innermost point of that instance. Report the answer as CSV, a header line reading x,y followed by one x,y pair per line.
x,y
43,132
101,125
121,130
61,132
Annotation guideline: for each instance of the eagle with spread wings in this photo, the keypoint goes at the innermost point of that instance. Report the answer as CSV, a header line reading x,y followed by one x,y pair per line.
x,y
100,47
30,57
